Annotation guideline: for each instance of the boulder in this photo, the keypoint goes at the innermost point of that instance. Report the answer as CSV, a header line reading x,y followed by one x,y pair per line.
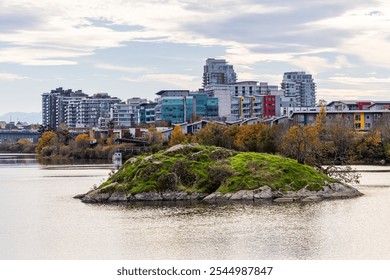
x,y
242,195
213,196
119,196
148,196
79,196
264,192
198,196
96,196
182,196
284,199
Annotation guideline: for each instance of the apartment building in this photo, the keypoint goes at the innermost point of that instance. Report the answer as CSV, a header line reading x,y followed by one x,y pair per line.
x,y
218,72
301,87
359,115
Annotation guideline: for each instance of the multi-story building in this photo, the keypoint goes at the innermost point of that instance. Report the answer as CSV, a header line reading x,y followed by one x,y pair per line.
x,y
360,115
301,87
95,111
69,107
59,106
147,112
135,105
179,106
346,105
247,99
218,72
76,109
122,115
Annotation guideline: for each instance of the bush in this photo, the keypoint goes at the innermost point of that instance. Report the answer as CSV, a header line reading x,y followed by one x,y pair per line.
x,y
167,182
182,168
218,175
221,153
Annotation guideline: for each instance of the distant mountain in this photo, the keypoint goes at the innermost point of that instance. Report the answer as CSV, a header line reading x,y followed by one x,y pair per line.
x,y
31,118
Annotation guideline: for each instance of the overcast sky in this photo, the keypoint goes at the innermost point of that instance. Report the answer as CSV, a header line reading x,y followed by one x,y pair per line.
x,y
131,48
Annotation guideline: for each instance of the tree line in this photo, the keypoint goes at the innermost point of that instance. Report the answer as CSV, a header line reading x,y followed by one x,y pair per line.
x,y
321,144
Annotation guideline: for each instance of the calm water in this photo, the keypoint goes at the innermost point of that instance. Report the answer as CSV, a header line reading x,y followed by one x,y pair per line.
x,y
39,219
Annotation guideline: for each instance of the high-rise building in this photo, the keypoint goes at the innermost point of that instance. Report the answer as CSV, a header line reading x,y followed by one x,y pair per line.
x,y
59,106
301,87
95,111
218,72
76,109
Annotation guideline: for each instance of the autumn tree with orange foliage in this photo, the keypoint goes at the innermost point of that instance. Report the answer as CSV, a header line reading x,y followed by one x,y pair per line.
x,y
177,136
255,138
154,136
47,139
302,144
211,135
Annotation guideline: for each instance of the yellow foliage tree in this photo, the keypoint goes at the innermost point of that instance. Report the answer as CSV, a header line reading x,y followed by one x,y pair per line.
x,y
211,134
321,120
82,138
48,138
247,137
24,141
155,137
177,136
302,144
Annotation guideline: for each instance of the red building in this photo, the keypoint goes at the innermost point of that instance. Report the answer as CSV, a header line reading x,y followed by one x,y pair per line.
x,y
269,106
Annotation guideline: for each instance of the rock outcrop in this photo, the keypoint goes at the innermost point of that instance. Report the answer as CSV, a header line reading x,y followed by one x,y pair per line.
x,y
194,172
262,194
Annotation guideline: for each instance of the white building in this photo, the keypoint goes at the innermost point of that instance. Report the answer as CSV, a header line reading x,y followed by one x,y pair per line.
x,y
301,87
218,72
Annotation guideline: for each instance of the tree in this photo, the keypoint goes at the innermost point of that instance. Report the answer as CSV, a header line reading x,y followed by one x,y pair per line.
x,y
82,141
211,135
228,136
154,136
321,122
47,139
246,138
63,134
177,136
255,138
369,146
339,140
302,144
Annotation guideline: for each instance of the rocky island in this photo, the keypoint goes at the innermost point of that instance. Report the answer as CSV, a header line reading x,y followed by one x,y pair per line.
x,y
208,173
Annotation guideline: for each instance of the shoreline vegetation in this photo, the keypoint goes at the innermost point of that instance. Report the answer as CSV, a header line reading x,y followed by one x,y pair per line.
x,y
323,146
323,143
193,172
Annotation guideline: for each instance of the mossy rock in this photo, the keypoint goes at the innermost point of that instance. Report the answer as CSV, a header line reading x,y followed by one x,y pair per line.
x,y
205,169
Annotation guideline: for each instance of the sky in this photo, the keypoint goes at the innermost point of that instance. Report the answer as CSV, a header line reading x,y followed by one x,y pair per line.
x,y
132,48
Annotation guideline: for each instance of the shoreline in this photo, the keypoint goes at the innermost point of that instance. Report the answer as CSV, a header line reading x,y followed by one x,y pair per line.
x,y
263,194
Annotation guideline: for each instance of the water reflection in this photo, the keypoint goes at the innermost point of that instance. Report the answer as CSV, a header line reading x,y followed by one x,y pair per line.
x,y
19,159
40,220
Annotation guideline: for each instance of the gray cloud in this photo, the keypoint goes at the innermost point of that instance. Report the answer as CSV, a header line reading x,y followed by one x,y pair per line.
x,y
17,19
289,30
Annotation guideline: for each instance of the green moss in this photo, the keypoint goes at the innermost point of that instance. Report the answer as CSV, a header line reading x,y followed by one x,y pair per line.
x,y
196,168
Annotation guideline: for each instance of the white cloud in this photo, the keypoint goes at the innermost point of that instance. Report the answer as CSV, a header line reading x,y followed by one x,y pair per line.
x,y
330,94
11,77
67,26
180,81
69,30
121,68
359,81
